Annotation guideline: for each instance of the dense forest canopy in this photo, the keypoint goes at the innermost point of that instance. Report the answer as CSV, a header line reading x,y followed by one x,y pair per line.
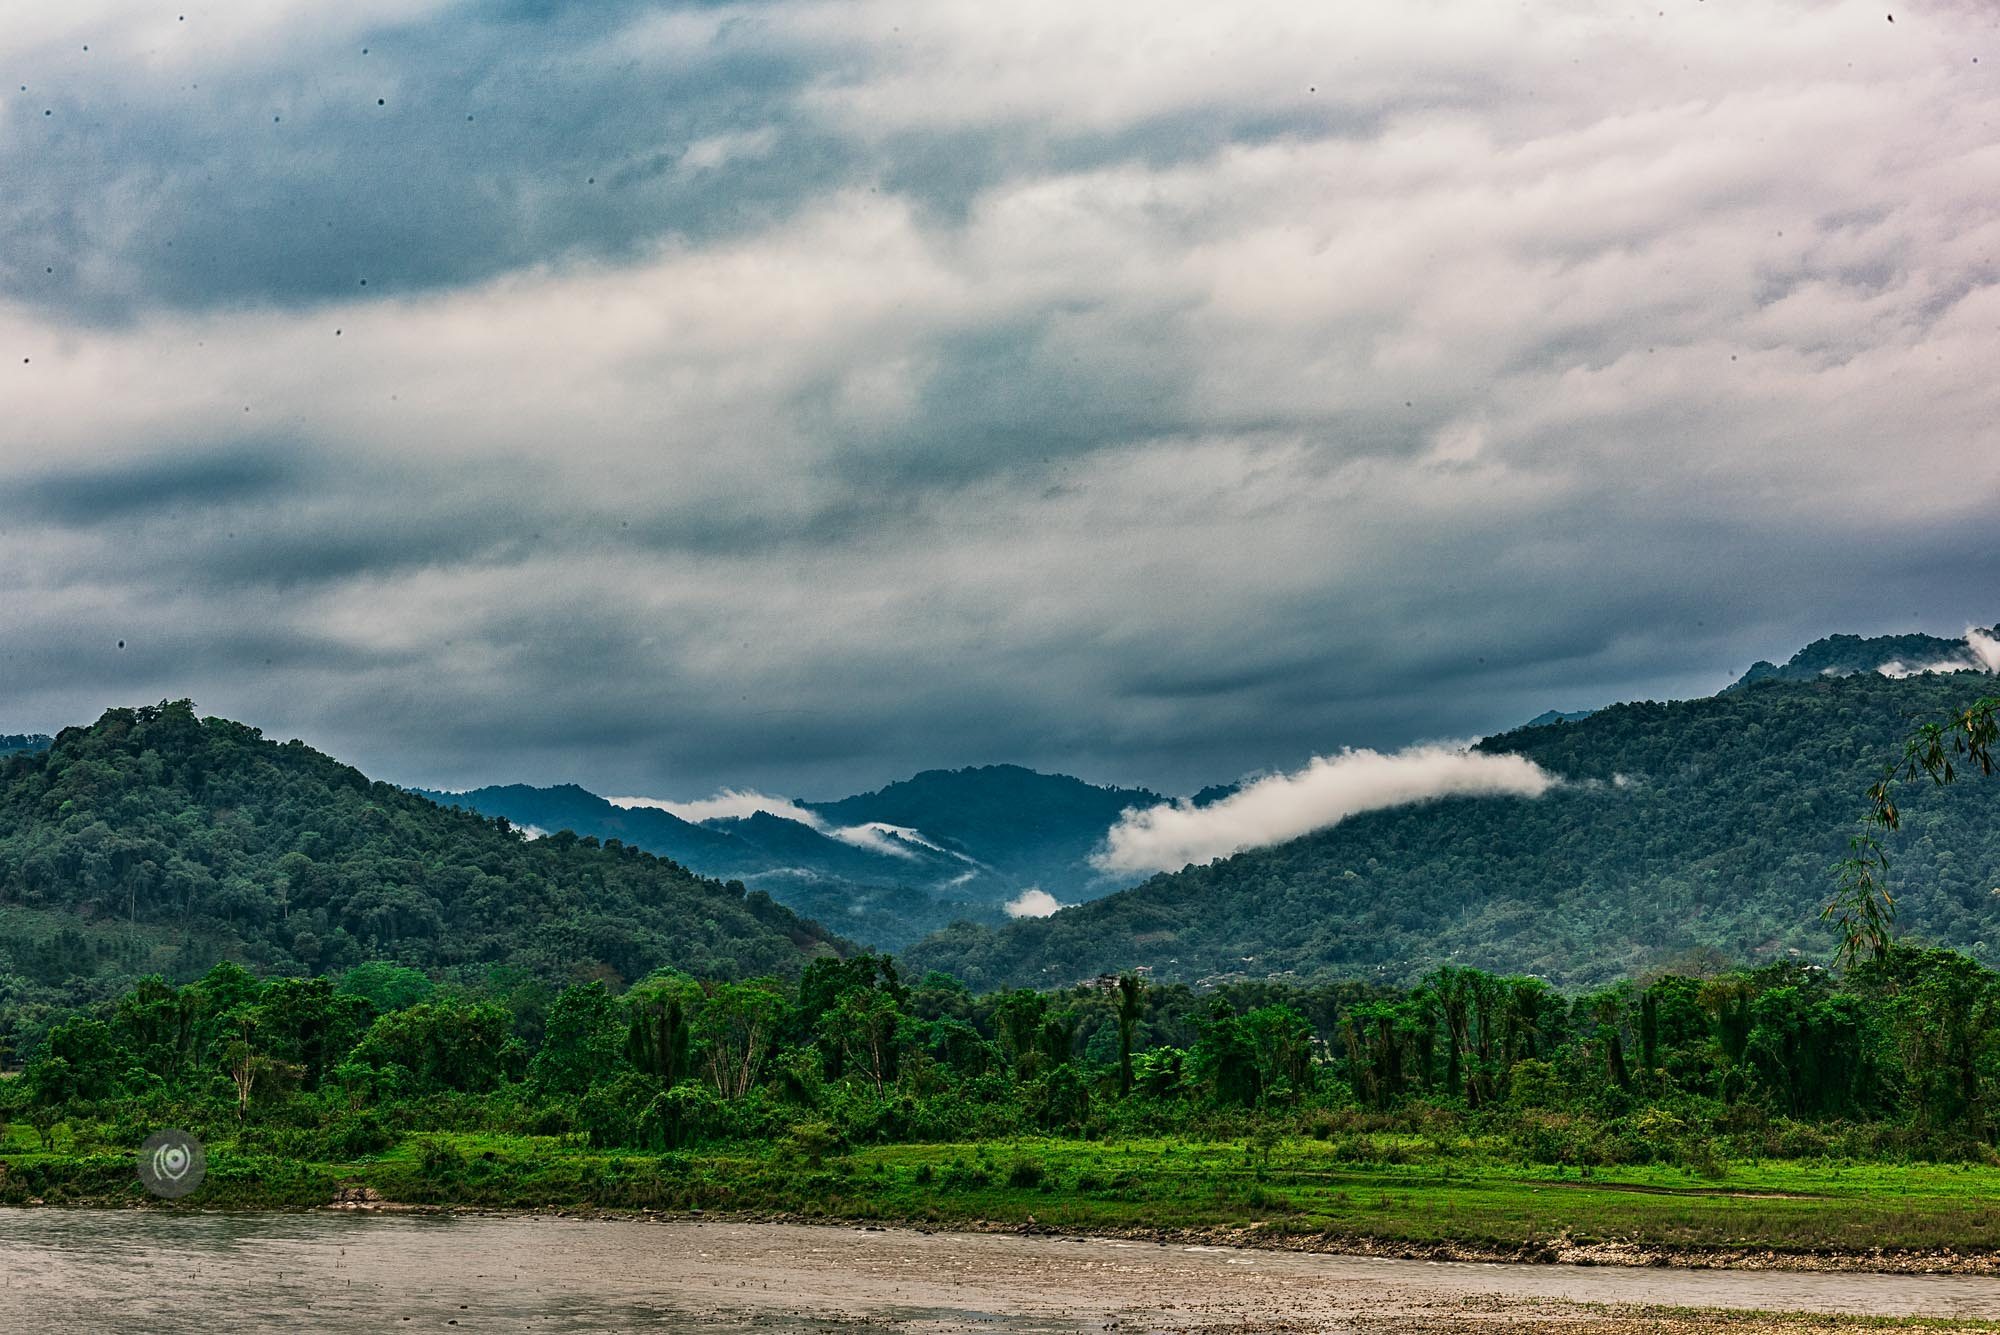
x,y
1899,1057
154,840
1687,829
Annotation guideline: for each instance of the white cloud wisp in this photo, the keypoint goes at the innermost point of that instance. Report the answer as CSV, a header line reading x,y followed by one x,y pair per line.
x,y
728,804
1982,654
737,803
1326,792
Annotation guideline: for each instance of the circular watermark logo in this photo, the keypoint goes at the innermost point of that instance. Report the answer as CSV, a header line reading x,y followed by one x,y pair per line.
x,y
172,1163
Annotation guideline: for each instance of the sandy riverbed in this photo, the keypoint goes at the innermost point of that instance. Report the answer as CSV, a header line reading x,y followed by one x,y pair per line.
x,y
115,1271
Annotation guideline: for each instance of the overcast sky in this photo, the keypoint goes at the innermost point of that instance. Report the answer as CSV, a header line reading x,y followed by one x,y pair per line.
x,y
796,395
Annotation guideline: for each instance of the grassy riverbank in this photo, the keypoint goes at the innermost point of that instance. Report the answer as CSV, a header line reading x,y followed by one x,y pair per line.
x,y
1389,1193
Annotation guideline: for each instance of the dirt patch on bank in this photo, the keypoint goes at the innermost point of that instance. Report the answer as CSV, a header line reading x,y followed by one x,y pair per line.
x,y
1556,1250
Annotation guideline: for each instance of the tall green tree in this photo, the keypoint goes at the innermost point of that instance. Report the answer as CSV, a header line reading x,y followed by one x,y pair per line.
x,y
1131,1006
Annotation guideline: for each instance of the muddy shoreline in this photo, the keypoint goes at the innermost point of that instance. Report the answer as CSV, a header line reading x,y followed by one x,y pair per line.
x,y
1554,1251
1557,1249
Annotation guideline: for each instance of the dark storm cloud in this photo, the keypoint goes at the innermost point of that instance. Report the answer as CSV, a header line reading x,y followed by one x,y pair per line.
x,y
285,518
798,394
161,484
465,144
408,156
1019,396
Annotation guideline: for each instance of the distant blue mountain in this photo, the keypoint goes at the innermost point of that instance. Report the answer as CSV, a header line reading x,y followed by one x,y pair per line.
x,y
1024,827
1549,716
568,807
885,867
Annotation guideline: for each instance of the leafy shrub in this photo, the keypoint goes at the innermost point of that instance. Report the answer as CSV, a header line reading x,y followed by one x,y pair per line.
x,y
958,1176
1554,1138
440,1159
353,1137
813,1141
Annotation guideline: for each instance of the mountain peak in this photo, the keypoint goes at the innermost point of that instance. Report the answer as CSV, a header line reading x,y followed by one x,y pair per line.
x,y
1550,717
1890,655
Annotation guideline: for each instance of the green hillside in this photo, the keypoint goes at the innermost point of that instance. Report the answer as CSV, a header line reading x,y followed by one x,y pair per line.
x,y
155,840
1684,829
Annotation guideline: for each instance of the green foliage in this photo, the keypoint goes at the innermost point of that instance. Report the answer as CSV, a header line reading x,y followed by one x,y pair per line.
x,y
1338,1109
1864,909
1025,1174
581,1038
1901,1056
386,986
441,1045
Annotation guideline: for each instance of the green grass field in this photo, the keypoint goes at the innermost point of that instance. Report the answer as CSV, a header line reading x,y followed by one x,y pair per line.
x,y
1458,1194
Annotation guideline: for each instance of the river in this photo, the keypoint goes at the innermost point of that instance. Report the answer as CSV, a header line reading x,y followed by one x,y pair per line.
x,y
182,1271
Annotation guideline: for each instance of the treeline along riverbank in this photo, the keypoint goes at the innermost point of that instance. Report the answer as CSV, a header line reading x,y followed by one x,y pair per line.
x,y
1788,1108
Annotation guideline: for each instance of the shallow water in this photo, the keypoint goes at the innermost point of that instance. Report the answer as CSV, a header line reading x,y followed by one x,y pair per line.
x,y
151,1270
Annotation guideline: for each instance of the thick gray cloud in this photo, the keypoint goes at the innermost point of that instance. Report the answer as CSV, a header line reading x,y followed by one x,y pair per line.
x,y
240,156
792,395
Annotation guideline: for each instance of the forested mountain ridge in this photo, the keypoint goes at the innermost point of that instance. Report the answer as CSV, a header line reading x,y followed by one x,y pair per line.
x,y
11,742
740,846
569,807
192,840
1847,655
1548,716
1694,827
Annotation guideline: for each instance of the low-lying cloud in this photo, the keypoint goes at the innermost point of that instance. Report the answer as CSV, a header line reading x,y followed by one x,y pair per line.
x,y
1327,791
875,837
728,804
1981,654
1033,902
740,803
